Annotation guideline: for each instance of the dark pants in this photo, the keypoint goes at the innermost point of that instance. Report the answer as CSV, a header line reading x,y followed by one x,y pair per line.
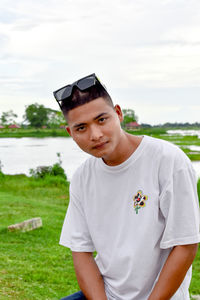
x,y
76,296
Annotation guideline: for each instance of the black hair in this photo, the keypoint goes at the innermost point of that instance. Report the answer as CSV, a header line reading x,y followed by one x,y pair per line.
x,y
79,97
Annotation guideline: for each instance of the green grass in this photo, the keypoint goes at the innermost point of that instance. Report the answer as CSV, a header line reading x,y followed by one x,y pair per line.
x,y
186,140
195,282
32,264
193,155
155,131
32,132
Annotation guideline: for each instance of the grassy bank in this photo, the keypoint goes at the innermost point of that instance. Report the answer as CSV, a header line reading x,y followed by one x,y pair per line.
x,y
32,265
45,132
32,132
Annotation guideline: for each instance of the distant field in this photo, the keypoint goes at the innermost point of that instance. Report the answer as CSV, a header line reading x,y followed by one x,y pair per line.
x,y
182,141
20,132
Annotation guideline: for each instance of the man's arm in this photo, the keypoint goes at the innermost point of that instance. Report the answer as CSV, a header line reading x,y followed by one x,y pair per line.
x,y
88,276
173,272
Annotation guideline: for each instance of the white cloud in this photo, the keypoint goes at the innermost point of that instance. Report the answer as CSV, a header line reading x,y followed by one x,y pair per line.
x,y
145,44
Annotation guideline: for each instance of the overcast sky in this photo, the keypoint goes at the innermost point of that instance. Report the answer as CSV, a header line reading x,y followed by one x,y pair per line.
x,y
146,52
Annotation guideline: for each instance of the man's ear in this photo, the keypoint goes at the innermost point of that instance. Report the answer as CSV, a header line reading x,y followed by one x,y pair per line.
x,y
118,110
68,130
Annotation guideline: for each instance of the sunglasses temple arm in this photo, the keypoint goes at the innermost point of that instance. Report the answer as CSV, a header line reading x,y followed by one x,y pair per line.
x,y
59,105
57,101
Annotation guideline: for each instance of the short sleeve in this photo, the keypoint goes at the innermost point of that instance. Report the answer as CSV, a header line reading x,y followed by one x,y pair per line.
x,y
179,205
75,234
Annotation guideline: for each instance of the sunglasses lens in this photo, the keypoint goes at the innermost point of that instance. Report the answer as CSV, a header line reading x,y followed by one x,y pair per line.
x,y
63,93
82,84
86,83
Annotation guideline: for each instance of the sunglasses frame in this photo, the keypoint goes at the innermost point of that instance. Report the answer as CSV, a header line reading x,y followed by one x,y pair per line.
x,y
76,83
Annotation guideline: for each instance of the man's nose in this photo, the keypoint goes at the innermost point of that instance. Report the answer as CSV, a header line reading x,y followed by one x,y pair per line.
x,y
95,133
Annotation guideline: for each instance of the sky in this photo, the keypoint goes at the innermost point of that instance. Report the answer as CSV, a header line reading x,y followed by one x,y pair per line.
x,y
146,52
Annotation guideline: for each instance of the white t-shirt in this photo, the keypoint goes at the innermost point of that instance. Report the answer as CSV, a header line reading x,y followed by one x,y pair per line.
x,y
133,214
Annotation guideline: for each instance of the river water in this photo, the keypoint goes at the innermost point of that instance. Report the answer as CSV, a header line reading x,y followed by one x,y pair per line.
x,y
18,155
184,132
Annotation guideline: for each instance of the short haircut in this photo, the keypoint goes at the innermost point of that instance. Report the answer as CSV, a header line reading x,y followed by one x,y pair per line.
x,y
79,97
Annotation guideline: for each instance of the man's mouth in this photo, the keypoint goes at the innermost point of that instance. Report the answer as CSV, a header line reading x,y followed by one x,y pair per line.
x,y
100,145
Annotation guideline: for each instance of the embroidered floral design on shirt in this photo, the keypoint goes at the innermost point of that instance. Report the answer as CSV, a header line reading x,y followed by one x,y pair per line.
x,y
139,200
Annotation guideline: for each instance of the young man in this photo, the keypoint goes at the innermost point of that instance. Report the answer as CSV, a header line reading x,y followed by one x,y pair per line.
x,y
134,202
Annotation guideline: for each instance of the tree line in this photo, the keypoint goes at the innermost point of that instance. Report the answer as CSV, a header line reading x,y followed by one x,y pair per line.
x,y
38,116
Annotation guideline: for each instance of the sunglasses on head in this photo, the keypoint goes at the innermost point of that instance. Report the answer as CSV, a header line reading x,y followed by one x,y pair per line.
x,y
82,84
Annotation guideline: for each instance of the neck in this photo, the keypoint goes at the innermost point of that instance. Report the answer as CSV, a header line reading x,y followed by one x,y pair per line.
x,y
128,144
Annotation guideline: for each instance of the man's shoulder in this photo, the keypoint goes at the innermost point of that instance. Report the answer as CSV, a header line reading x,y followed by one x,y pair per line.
x,y
160,143
166,153
163,147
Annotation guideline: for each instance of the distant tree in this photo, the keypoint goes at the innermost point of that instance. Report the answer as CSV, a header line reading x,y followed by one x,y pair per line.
x,y
8,117
36,115
144,125
129,116
55,118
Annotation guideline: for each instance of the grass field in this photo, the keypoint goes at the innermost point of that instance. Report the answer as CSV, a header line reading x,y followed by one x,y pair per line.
x,y
33,265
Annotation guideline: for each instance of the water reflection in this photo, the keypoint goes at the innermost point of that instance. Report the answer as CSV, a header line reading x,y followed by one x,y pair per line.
x,y
19,155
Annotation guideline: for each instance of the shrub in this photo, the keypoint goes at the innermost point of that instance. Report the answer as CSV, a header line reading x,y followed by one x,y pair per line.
x,y
57,170
44,171
40,172
48,181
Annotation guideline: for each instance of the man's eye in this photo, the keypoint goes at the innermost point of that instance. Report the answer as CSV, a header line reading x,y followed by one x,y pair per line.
x,y
82,128
102,120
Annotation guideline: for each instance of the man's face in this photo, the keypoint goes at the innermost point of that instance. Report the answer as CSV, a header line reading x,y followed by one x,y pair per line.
x,y
95,127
